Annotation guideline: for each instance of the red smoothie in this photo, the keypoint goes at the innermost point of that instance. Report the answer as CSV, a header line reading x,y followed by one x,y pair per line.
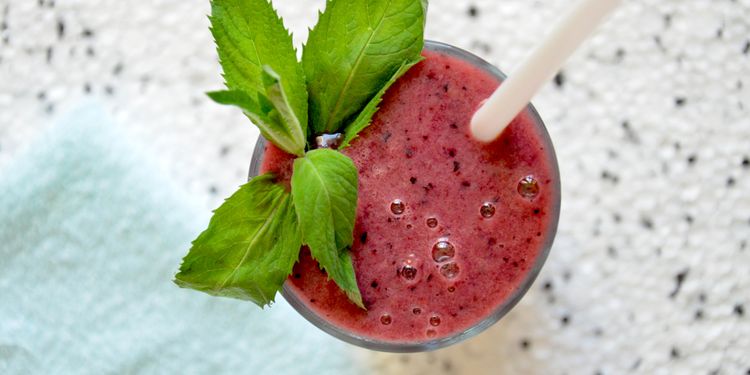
x,y
449,232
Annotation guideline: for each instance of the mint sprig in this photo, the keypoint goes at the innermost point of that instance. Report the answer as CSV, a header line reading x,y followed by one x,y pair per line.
x,y
250,246
355,48
358,49
249,37
324,189
271,112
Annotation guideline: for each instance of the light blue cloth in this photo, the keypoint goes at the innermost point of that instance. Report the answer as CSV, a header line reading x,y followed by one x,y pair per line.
x,y
90,237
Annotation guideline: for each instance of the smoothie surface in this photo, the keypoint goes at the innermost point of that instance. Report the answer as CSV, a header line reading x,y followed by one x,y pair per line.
x,y
447,228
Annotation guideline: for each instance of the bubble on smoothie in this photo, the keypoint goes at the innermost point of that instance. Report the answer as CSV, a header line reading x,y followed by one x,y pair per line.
x,y
432,222
528,187
449,270
398,207
431,333
443,251
408,272
451,289
385,319
434,320
487,210
416,311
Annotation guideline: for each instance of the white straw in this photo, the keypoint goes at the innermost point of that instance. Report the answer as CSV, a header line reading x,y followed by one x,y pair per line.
x,y
538,68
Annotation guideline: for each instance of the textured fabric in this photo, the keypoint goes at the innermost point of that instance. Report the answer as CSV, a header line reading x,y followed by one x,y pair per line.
x,y
91,237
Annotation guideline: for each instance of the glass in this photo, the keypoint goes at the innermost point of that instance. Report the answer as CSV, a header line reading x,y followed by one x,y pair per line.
x,y
503,308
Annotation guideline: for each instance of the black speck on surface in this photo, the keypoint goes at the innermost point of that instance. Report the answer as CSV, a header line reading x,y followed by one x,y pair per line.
x,y
117,69
560,79
746,162
473,11
746,48
297,276
667,20
691,159
689,219
87,88
609,176
630,134
565,320
679,279
447,366
374,284
213,190
224,150
739,310
620,54
363,238
547,285
647,222
90,51
659,43
49,54
567,275
60,29
680,101
413,180
674,353
109,90
636,364
525,344
730,182
698,314
87,33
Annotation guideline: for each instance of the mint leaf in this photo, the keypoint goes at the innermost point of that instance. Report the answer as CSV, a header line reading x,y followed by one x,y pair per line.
x,y
356,46
250,246
364,117
271,112
250,35
324,190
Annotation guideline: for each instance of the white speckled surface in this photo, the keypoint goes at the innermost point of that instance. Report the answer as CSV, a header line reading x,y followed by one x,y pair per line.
x,y
651,126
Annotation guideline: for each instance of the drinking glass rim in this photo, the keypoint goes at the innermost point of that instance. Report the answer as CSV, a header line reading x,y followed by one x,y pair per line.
x,y
502,309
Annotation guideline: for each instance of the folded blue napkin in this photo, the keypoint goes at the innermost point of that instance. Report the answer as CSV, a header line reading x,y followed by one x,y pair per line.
x,y
90,237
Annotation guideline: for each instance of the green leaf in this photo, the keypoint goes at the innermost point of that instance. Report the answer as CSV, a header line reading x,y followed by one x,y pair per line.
x,y
250,246
271,112
324,190
250,35
365,117
356,46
